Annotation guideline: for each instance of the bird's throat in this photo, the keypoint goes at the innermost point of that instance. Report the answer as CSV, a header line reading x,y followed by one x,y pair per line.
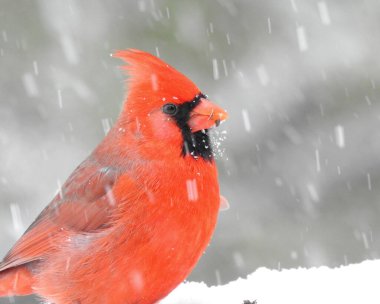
x,y
196,144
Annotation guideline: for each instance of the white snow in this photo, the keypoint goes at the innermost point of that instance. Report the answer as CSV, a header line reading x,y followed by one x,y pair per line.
x,y
238,259
365,241
59,190
16,218
35,68
263,75
157,52
228,39
302,41
142,6
211,25
269,26
5,36
192,189
312,192
30,85
369,182
352,284
225,67
339,136
324,13
106,125
294,6
69,49
154,82
246,121
215,69
60,102
317,161
110,196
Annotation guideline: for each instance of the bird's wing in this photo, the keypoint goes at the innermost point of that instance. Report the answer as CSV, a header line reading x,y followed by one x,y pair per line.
x,y
85,204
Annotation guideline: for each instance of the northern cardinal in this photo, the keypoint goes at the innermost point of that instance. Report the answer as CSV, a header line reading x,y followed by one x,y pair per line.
x,y
133,219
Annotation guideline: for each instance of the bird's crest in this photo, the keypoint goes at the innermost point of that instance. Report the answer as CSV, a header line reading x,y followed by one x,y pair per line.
x,y
152,79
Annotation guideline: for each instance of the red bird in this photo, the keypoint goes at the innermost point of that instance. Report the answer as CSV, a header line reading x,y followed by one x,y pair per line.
x,y
133,219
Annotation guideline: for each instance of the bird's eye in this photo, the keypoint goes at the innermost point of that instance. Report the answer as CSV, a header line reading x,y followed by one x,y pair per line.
x,y
170,109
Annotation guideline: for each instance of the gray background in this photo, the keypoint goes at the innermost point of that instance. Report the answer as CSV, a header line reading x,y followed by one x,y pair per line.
x,y
299,161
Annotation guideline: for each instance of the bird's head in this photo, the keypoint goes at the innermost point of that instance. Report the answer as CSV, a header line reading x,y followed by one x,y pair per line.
x,y
164,105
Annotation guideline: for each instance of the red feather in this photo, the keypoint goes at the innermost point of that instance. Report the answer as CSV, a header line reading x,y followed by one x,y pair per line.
x,y
133,219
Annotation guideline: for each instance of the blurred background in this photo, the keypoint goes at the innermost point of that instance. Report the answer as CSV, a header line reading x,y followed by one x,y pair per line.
x,y
298,159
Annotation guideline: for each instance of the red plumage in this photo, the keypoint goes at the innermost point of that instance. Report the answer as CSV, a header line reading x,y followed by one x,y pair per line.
x,y
133,219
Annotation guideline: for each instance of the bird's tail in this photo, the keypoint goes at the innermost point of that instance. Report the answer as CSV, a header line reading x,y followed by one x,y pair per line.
x,y
16,281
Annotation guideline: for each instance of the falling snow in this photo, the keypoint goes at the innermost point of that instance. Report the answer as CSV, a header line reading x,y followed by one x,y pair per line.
x,y
324,13
192,190
215,69
60,102
5,36
154,82
225,69
69,49
35,68
106,125
263,75
369,182
246,121
294,6
317,161
302,41
313,192
30,85
110,196
157,54
16,218
228,39
339,136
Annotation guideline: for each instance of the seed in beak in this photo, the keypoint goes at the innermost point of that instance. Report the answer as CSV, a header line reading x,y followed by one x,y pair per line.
x,y
217,122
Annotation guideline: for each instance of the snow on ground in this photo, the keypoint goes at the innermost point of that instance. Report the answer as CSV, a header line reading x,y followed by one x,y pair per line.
x,y
355,283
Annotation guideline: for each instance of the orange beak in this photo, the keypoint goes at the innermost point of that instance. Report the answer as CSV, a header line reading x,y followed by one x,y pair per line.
x,y
206,115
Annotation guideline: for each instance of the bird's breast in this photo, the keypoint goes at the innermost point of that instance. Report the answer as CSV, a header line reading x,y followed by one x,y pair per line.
x,y
165,231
